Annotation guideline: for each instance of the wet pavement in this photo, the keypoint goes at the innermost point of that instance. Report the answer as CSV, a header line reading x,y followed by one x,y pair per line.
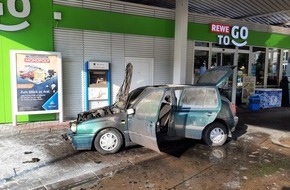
x,y
34,156
248,163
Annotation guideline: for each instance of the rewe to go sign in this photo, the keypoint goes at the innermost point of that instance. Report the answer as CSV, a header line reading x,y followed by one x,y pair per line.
x,y
12,10
230,34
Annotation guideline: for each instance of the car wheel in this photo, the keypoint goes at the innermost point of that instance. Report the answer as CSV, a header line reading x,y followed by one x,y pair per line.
x,y
108,141
215,134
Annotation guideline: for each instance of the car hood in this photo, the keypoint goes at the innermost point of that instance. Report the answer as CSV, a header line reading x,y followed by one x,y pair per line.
x,y
122,95
215,76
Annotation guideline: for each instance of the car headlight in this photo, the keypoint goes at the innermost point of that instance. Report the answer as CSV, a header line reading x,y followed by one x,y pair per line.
x,y
73,127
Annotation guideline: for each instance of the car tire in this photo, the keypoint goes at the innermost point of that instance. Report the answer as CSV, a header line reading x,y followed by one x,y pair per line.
x,y
108,141
215,134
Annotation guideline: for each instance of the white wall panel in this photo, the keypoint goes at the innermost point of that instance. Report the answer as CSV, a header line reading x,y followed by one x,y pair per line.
x,y
118,63
163,60
139,46
97,46
78,47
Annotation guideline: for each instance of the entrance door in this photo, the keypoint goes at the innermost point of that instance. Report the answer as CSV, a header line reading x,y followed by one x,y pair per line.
x,y
142,71
142,124
222,58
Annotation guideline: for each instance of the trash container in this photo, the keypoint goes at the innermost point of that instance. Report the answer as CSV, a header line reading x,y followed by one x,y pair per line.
x,y
254,103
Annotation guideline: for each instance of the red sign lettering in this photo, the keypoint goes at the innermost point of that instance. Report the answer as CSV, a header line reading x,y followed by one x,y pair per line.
x,y
220,28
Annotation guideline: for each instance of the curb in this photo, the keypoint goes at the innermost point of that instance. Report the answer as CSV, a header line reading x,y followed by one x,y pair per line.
x,y
33,127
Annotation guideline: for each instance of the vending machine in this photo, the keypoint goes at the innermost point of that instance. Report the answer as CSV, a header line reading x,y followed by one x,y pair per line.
x,y
98,84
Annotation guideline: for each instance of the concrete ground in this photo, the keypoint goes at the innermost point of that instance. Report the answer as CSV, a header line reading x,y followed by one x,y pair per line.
x,y
34,156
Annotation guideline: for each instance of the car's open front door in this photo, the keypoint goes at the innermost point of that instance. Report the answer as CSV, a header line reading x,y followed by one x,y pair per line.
x,y
142,124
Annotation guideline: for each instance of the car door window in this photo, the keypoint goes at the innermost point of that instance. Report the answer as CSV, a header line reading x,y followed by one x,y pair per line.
x,y
149,105
199,98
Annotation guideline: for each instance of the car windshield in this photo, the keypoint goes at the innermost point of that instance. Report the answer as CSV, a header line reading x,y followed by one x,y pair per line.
x,y
132,97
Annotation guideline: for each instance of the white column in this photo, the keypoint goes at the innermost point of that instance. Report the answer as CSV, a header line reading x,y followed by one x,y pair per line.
x,y
180,43
235,75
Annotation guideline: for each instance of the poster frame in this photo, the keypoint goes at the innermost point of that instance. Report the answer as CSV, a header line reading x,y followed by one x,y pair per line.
x,y
13,74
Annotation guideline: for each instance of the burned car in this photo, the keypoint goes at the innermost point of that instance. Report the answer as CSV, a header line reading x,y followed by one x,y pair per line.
x,y
151,113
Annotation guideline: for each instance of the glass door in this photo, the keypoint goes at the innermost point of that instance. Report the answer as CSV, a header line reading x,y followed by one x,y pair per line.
x,y
201,59
224,57
273,76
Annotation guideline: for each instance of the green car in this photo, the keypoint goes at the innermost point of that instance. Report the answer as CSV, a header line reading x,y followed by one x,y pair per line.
x,y
148,115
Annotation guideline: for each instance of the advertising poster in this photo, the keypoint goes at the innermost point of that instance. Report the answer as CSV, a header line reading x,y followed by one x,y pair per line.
x,y
249,84
36,79
37,82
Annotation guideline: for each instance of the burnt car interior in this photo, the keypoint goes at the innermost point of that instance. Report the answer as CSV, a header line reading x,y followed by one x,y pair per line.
x,y
164,114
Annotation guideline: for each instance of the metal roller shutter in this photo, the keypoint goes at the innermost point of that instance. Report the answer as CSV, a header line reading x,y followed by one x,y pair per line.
x,y
163,60
70,44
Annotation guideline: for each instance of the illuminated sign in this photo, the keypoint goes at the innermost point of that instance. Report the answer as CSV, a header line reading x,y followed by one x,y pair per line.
x,y
11,5
230,34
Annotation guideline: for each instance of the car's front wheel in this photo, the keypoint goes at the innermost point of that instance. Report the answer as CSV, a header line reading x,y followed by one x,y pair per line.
x,y
215,134
108,141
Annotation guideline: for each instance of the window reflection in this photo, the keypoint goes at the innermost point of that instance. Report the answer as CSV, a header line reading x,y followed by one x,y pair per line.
x,y
273,66
258,68
243,65
286,62
200,63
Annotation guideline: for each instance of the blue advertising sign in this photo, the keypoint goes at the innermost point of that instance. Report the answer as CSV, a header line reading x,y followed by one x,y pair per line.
x,y
36,78
37,82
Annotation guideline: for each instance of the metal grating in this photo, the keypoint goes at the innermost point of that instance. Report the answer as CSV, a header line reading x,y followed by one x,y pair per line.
x,y
121,7
139,11
99,5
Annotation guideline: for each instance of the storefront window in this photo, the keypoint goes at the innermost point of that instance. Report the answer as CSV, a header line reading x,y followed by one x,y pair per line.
x,y
273,66
243,65
258,67
222,59
286,62
200,63
216,59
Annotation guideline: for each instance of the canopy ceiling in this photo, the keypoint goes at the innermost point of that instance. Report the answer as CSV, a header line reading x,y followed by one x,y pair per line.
x,y
269,12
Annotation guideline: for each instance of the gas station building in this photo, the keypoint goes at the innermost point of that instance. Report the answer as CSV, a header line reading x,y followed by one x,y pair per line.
x,y
80,49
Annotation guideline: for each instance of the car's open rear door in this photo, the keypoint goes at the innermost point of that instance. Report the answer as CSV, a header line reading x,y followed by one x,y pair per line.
x,y
142,124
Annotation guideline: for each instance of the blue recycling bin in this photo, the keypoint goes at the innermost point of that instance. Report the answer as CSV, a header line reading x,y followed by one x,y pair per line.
x,y
254,103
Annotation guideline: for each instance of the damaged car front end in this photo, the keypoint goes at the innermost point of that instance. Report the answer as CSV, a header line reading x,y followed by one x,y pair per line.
x,y
104,129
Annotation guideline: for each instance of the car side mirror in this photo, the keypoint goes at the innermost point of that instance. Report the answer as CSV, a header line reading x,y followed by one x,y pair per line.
x,y
130,111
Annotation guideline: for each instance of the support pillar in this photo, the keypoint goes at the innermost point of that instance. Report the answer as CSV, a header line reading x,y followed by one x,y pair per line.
x,y
180,42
